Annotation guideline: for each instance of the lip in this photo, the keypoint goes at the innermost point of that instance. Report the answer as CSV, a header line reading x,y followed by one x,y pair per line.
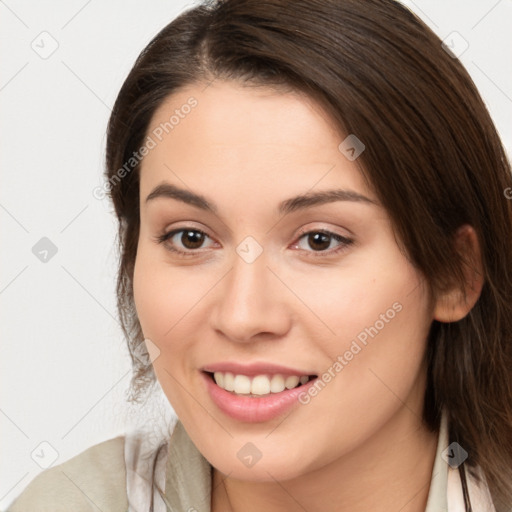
x,y
254,409
253,369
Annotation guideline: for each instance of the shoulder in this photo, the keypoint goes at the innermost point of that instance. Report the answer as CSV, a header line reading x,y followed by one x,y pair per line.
x,y
95,479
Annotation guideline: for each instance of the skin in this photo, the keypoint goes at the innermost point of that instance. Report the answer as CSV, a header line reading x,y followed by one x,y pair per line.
x,y
246,150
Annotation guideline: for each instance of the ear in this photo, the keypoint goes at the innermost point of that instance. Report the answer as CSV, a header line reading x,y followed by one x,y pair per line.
x,y
452,305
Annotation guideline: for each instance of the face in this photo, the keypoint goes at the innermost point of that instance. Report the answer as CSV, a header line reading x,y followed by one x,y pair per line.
x,y
245,283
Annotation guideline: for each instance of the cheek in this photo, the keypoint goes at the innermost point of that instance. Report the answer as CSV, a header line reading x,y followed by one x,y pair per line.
x,y
375,292
383,348
160,296
148,292
162,301
376,320
168,301
158,301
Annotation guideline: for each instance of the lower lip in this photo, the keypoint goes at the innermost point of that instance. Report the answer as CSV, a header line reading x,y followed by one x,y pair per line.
x,y
253,409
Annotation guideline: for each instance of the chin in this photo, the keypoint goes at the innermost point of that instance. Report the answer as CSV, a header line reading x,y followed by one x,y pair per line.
x,y
261,471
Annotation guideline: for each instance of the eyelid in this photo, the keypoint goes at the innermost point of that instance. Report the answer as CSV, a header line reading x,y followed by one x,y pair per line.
x,y
305,230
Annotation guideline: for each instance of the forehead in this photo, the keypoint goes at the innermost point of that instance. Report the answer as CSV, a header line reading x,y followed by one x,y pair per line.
x,y
246,110
248,135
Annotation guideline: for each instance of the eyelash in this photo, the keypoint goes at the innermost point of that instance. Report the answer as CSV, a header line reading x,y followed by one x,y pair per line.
x,y
345,242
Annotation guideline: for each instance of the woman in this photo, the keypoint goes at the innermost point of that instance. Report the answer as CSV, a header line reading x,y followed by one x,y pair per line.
x,y
316,254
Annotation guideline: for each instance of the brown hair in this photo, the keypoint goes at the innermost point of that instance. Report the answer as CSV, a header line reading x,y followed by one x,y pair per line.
x,y
432,156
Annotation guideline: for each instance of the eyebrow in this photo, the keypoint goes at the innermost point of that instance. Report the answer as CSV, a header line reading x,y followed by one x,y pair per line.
x,y
300,202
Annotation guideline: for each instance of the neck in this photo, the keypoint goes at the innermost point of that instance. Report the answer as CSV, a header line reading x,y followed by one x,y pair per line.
x,y
391,471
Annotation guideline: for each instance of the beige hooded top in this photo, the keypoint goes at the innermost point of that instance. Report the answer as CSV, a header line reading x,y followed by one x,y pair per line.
x,y
115,476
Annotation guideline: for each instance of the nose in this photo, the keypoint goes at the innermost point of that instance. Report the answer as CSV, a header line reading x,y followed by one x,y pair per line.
x,y
251,303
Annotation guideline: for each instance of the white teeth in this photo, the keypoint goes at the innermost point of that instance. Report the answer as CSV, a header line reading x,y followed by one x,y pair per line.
x,y
229,382
258,385
291,381
277,384
219,379
242,384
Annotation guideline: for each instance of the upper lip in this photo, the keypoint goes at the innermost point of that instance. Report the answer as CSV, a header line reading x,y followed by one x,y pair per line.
x,y
253,369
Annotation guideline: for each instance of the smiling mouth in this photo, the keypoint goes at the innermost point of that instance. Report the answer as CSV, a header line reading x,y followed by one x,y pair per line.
x,y
259,385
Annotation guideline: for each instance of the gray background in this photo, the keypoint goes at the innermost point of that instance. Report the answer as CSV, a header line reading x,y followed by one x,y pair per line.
x,y
63,363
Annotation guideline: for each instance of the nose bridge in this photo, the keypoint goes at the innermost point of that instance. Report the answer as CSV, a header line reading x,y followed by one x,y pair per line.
x,y
249,301
248,281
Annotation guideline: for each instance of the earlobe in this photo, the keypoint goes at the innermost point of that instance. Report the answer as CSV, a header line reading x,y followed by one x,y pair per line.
x,y
454,304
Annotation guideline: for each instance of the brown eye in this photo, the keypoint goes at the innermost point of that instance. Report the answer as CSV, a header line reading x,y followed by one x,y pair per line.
x,y
184,241
319,241
192,239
